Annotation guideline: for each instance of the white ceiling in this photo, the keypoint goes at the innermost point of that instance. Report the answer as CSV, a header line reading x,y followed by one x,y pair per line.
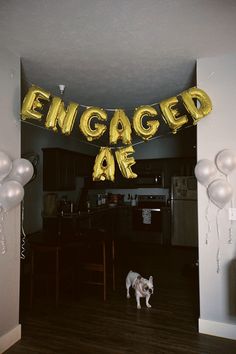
x,y
116,53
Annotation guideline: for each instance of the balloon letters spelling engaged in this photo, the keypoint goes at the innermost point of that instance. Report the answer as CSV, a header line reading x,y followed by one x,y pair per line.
x,y
104,167
140,112
171,114
85,123
32,102
125,162
204,100
120,128
58,114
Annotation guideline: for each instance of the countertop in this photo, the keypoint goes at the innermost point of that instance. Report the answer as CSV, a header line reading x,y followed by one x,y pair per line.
x,y
87,213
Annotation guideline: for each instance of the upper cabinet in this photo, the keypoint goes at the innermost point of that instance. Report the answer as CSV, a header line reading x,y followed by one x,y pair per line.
x,y
60,168
152,173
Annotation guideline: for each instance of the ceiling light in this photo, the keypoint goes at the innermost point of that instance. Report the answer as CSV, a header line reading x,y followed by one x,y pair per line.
x,y
62,88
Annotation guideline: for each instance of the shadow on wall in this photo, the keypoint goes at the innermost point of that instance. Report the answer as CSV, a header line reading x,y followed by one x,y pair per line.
x,y
232,288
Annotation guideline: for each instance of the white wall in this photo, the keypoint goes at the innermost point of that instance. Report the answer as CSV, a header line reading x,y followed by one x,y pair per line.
x,y
10,143
217,76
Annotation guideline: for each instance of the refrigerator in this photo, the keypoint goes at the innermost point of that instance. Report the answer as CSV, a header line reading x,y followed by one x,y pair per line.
x,y
184,221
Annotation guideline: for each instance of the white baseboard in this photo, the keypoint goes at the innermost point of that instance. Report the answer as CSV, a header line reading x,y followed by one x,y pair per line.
x,y
219,329
10,338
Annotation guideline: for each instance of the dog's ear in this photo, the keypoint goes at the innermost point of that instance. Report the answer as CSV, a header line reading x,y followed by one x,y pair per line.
x,y
151,279
139,277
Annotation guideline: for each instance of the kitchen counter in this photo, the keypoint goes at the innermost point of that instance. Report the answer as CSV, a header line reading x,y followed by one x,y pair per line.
x,y
87,213
119,220
103,217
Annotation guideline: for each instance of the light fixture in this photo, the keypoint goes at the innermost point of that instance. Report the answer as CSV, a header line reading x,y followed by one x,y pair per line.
x,y
62,88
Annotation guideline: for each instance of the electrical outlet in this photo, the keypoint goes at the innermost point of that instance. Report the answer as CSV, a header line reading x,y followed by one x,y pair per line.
x,y
232,213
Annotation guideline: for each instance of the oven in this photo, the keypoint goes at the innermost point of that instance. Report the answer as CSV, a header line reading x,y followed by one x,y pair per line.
x,y
147,218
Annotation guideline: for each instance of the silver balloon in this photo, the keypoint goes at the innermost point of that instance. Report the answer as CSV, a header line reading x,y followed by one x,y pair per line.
x,y
205,171
220,192
22,171
11,194
226,161
5,165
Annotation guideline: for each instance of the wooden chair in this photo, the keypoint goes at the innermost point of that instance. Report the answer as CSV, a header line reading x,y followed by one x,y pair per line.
x,y
97,259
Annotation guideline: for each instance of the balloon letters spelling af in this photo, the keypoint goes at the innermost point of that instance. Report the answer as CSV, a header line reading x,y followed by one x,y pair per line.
x,y
104,167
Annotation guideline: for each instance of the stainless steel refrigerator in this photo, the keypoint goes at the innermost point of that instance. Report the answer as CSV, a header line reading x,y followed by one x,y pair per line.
x,y
184,222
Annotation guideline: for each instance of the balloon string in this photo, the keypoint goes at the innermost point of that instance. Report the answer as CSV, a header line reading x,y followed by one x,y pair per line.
x,y
23,237
208,222
160,136
3,246
218,246
231,221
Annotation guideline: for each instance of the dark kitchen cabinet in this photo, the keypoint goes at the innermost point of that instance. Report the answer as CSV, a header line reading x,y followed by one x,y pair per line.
x,y
152,173
83,165
178,167
60,168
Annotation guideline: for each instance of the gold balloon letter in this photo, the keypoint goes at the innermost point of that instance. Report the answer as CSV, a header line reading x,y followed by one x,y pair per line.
x,y
171,114
32,101
120,128
125,162
104,167
140,112
201,96
58,114
85,121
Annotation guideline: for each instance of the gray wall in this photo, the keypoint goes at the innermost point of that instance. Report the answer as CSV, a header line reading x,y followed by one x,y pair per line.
x,y
217,76
10,144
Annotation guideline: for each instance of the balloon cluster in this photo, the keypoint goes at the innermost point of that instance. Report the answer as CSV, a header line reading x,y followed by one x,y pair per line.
x,y
13,176
219,190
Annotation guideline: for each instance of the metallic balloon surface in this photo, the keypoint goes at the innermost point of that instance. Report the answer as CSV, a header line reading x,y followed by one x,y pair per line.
x,y
201,97
32,102
125,162
205,171
22,171
226,161
152,125
65,118
171,114
104,167
120,128
85,123
11,194
220,192
5,165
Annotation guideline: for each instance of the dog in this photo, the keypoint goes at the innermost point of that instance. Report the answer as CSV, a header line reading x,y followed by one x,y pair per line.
x,y
143,287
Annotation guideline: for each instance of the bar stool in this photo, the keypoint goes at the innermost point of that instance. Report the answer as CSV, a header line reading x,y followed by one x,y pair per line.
x,y
97,255
37,248
55,250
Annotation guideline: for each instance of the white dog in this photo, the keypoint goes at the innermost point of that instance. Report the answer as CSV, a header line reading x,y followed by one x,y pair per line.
x,y
143,287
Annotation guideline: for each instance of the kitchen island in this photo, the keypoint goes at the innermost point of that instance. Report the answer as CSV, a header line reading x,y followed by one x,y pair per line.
x,y
120,221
